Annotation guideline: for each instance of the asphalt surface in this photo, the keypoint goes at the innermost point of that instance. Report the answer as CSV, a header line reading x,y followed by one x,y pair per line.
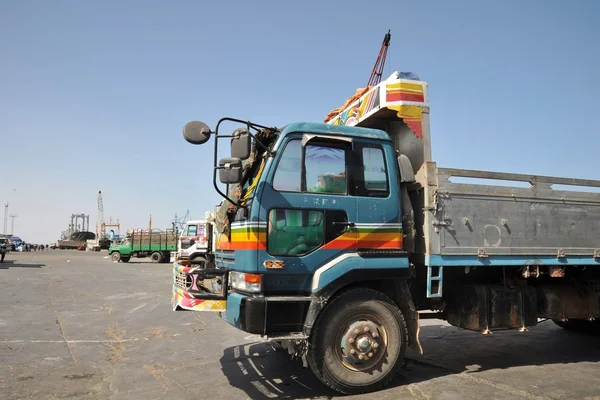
x,y
76,325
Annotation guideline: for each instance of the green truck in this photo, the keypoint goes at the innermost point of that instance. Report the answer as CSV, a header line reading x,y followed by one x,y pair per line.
x,y
154,243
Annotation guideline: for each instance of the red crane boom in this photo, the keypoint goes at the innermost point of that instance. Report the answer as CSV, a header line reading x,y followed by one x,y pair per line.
x,y
379,64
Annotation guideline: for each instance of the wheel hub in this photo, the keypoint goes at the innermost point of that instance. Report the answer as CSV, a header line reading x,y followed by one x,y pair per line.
x,y
361,344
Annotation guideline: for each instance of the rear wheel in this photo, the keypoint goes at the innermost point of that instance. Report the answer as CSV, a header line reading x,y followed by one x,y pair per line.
x,y
116,256
358,343
580,326
156,257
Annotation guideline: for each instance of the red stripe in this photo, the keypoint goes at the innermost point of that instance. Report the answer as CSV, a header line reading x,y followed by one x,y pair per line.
x,y
369,244
340,244
243,246
404,96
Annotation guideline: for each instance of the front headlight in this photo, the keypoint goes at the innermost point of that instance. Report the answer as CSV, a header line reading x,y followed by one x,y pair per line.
x,y
251,283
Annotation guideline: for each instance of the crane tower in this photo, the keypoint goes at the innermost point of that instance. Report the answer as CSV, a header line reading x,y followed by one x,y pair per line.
x,y
100,231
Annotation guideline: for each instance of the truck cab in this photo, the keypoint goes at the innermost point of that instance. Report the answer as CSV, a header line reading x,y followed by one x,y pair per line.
x,y
195,241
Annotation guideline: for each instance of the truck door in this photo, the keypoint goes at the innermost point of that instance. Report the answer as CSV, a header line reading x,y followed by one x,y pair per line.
x,y
379,217
308,211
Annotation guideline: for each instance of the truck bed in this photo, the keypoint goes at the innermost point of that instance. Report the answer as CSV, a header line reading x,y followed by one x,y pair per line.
x,y
482,224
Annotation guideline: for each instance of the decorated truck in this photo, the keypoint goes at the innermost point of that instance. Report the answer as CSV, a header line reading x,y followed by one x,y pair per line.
x,y
336,238
141,243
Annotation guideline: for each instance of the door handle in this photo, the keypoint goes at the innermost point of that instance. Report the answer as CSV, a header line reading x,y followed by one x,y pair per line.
x,y
348,224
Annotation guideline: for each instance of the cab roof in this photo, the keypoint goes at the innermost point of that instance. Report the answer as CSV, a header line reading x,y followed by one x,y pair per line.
x,y
335,130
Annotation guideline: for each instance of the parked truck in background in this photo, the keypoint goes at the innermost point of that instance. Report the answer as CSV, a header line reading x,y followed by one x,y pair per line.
x,y
142,243
195,242
336,235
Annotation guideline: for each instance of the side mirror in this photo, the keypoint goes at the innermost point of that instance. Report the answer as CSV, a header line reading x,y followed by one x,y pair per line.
x,y
407,174
196,132
240,144
230,170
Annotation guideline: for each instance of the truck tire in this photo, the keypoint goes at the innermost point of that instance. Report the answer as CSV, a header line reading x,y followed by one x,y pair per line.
x,y
580,326
357,345
125,258
198,261
116,256
156,257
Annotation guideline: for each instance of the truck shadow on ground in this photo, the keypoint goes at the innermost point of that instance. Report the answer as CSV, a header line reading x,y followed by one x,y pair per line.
x,y
265,372
13,264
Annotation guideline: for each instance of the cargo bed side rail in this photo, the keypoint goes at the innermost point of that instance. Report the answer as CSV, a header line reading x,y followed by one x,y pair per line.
x,y
536,224
536,181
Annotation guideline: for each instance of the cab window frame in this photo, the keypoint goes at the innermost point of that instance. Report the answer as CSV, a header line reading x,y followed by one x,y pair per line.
x,y
335,144
361,187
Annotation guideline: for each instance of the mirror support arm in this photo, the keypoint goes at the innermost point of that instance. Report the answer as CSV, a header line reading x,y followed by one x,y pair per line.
x,y
215,161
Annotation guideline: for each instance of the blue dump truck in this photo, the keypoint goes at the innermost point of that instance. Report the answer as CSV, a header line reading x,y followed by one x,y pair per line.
x,y
336,238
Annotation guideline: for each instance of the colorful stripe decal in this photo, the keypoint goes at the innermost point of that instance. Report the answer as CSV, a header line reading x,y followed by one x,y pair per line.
x,y
187,302
412,116
368,237
404,91
253,236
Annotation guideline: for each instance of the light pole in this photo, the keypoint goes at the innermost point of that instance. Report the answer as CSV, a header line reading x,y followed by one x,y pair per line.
x,y
12,223
5,217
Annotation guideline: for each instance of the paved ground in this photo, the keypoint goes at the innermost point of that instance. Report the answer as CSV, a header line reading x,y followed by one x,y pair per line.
x,y
76,325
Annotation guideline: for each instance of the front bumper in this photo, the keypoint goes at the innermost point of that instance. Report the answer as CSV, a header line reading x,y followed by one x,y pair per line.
x,y
188,295
266,315
256,314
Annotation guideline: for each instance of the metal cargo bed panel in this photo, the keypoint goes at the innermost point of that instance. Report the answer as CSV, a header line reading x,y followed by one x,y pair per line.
x,y
482,221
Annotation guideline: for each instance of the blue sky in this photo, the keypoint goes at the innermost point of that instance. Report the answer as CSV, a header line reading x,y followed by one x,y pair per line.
x,y
93,95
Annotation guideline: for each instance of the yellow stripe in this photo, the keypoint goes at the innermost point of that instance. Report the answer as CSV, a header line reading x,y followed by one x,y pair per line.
x,y
248,237
384,237
416,87
410,112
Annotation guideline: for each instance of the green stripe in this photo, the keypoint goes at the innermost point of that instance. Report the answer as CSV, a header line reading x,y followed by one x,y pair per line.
x,y
248,230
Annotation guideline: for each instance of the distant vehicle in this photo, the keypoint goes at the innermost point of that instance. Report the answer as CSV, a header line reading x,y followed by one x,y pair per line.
x,y
157,244
76,240
15,242
195,242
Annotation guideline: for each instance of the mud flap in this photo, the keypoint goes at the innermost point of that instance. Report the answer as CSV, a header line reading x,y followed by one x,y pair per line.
x,y
411,315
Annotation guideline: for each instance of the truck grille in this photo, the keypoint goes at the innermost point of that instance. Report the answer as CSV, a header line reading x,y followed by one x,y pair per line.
x,y
183,281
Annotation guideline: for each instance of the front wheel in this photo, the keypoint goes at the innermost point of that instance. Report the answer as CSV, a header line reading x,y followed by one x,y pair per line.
x,y
357,345
116,256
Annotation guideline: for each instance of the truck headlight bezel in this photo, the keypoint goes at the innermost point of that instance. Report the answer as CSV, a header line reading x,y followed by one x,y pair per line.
x,y
245,282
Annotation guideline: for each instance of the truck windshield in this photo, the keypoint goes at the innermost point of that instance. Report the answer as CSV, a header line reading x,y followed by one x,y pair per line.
x,y
193,230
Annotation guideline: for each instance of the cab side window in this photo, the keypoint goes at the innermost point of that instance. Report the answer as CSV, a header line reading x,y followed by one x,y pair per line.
x,y
324,168
372,175
294,232
374,168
